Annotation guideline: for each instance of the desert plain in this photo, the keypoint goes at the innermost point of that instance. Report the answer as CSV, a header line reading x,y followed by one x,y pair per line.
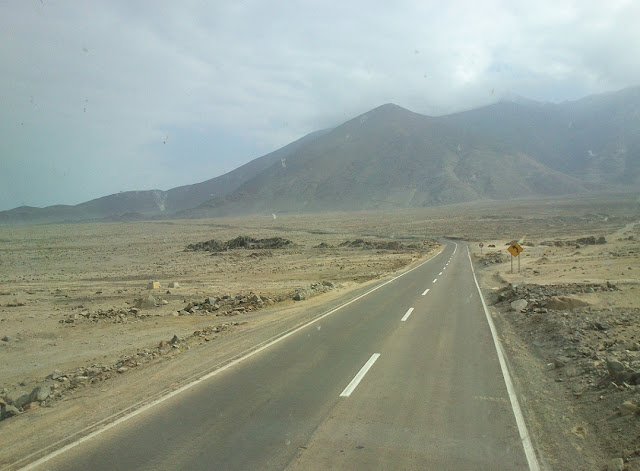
x,y
99,319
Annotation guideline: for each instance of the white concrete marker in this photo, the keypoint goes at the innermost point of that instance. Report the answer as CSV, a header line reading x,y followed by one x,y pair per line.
x,y
363,371
406,316
425,292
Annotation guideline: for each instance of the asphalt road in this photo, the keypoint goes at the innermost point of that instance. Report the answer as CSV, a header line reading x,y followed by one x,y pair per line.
x,y
433,396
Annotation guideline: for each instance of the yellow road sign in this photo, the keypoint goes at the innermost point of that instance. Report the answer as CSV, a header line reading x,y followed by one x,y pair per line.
x,y
515,249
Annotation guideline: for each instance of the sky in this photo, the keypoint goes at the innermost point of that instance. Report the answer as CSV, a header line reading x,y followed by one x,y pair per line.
x,y
98,97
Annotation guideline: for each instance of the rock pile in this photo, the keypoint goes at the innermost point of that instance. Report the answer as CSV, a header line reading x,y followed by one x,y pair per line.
x,y
240,242
378,245
225,305
12,404
591,240
542,298
21,401
493,257
316,288
120,315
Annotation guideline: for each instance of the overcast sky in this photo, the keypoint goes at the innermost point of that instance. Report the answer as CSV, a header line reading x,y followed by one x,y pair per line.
x,y
101,97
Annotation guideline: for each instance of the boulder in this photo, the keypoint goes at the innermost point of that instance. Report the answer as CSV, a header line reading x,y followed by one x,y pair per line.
x,y
39,394
8,411
616,464
628,408
299,296
148,302
519,305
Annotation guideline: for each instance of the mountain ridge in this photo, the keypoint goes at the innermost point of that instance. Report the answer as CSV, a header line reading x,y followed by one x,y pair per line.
x,y
391,157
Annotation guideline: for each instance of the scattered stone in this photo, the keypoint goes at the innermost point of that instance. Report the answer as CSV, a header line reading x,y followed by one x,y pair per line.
x,y
122,369
299,296
328,284
163,344
174,340
6,338
601,325
174,284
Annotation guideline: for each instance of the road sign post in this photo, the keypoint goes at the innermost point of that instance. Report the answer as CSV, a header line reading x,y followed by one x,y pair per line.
x,y
481,245
515,249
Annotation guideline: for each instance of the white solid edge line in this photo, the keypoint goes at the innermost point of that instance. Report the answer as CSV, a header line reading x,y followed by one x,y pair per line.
x,y
356,380
407,314
425,292
529,452
144,408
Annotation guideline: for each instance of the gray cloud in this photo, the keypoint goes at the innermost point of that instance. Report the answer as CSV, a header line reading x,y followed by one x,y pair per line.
x,y
99,97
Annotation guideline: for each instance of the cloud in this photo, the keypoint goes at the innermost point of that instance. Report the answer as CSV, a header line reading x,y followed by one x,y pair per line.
x,y
91,90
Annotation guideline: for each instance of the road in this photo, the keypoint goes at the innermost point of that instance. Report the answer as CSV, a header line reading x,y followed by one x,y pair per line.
x,y
406,377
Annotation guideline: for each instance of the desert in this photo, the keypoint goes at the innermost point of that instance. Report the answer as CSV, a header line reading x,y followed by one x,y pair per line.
x,y
87,336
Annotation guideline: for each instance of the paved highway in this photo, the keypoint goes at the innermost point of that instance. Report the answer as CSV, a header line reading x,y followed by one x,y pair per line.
x,y
406,377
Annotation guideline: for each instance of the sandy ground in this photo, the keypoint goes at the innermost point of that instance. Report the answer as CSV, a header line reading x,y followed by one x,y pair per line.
x,y
67,294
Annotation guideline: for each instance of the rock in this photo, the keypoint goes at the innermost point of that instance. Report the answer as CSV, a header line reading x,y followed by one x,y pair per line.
x,y
628,408
165,302
6,338
615,369
21,400
9,411
163,344
122,369
601,325
328,284
174,284
39,394
148,302
299,296
255,299
519,305
616,464
174,340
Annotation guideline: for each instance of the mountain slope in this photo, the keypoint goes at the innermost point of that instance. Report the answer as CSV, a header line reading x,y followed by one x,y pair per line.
x,y
132,205
596,139
391,157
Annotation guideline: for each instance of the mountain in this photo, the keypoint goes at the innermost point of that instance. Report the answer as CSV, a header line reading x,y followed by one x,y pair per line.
x,y
390,157
596,139
135,205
